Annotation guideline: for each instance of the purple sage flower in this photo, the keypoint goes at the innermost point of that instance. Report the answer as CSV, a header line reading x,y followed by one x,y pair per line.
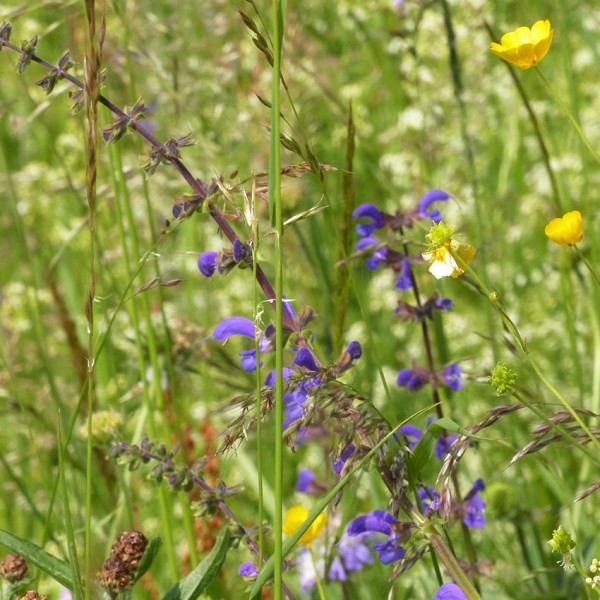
x,y
379,521
380,255
374,215
365,242
409,379
413,433
244,327
449,591
338,464
354,552
429,198
240,250
305,358
336,570
430,499
305,480
452,377
248,569
444,304
474,506
404,282
207,263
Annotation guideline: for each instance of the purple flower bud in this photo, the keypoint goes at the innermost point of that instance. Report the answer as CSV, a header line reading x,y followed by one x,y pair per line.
x,y
444,304
248,569
354,349
304,358
429,198
449,591
239,250
207,263
404,282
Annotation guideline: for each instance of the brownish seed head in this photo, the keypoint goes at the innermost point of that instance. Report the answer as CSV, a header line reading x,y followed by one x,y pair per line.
x,y
13,567
114,576
32,595
129,548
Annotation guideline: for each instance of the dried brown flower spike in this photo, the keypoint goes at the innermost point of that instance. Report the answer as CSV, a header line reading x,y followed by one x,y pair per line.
x,y
13,567
129,548
117,574
32,595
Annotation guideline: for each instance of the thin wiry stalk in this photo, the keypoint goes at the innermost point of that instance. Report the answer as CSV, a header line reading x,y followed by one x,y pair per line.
x,y
275,208
92,61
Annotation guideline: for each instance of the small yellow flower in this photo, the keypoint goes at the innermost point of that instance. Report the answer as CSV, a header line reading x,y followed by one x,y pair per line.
x,y
441,249
525,47
295,516
566,230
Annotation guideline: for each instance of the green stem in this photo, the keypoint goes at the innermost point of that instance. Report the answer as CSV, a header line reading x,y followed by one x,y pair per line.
x,y
452,566
569,114
277,220
587,263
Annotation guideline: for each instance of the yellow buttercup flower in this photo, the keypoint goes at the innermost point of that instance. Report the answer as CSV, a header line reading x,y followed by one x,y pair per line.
x,y
525,47
442,246
295,516
566,230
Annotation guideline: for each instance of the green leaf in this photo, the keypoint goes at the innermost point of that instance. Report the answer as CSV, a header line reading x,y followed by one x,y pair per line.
x,y
148,557
34,555
194,583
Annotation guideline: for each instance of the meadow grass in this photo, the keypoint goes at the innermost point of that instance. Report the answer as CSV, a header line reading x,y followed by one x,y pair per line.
x,y
107,323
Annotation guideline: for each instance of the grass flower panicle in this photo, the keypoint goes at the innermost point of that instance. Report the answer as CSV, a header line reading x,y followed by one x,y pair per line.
x,y
525,47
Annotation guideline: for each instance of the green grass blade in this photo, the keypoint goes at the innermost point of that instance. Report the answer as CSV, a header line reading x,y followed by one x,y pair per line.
x,y
194,583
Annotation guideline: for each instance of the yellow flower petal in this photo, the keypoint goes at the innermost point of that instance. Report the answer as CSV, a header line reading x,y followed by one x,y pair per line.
x,y
525,47
295,516
566,230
